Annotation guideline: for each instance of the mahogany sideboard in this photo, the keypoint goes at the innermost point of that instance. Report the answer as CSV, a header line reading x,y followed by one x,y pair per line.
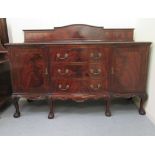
x,y
79,62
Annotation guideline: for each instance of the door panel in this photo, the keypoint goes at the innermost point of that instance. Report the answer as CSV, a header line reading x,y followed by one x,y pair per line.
x,y
30,70
129,66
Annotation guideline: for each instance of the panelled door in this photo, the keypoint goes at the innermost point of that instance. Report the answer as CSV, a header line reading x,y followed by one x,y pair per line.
x,y
30,69
129,66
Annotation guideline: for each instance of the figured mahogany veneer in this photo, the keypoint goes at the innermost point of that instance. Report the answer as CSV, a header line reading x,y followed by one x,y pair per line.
x,y
79,62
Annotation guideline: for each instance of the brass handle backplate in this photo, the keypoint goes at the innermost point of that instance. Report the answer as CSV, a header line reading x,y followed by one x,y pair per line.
x,y
95,71
66,71
62,57
63,88
95,87
95,55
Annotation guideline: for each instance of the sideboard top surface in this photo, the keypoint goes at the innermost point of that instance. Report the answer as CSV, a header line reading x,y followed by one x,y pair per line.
x,y
77,43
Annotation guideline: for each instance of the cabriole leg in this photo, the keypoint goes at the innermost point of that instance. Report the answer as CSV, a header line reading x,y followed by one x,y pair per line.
x,y
51,104
16,104
107,107
141,108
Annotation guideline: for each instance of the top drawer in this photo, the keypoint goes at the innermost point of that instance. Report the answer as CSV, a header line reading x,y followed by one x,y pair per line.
x,y
69,54
78,54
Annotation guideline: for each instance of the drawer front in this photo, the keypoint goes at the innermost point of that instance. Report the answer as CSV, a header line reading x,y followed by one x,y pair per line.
x,y
72,54
79,54
79,86
84,70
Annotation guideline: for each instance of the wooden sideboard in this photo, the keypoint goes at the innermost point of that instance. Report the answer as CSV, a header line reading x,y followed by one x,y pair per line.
x,y
79,62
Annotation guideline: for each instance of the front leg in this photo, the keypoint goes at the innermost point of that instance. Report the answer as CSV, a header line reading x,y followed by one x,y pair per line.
x,y
51,104
141,108
15,102
107,108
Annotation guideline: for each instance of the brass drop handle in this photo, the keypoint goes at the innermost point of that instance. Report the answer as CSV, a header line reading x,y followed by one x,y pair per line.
x,y
61,88
62,57
66,71
95,88
95,71
95,55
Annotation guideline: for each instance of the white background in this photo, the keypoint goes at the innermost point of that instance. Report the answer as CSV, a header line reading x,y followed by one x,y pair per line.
x,y
116,13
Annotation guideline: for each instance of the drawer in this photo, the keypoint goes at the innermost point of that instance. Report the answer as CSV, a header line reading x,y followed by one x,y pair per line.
x,y
82,70
79,54
72,54
79,86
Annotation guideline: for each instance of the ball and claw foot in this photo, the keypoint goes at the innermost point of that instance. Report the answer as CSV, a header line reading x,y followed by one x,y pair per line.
x,y
142,111
50,115
16,114
130,99
29,100
108,113
141,108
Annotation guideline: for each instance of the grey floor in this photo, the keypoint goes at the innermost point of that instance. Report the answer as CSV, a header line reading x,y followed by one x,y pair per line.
x,y
75,119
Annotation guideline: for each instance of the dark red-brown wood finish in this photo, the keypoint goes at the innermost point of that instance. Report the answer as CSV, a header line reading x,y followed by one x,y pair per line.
x,y
79,62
